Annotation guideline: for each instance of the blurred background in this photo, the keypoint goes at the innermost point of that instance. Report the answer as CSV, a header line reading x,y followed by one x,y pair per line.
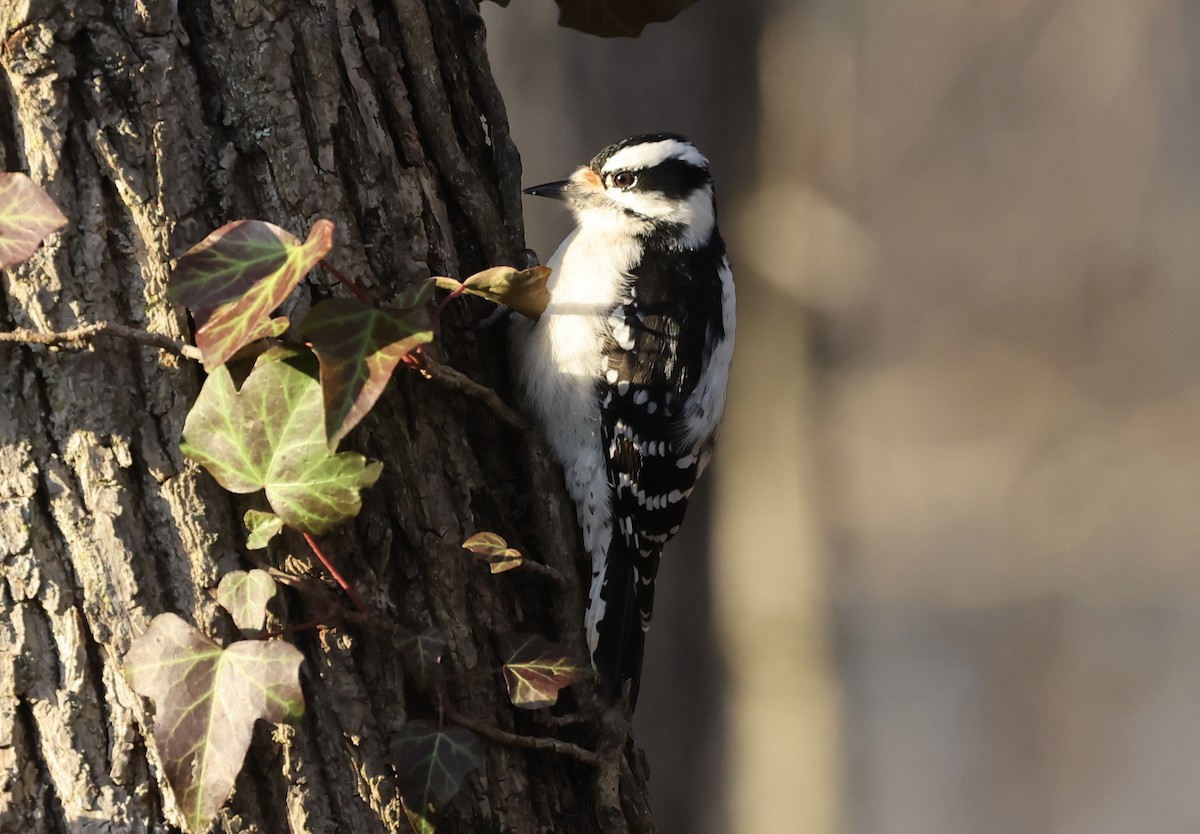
x,y
945,574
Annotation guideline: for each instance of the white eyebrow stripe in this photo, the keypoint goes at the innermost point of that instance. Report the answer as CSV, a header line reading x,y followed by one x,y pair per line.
x,y
649,154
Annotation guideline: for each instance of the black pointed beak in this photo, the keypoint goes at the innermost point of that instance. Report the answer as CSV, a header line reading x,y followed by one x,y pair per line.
x,y
555,190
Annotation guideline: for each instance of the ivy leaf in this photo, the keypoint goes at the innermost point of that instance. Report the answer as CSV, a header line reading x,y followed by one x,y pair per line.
x,y
536,669
245,596
493,549
27,217
235,277
270,329
524,290
616,18
271,435
419,822
431,763
206,700
422,655
359,347
262,527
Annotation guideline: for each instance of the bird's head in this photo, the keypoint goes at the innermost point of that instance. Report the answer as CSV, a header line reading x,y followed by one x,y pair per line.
x,y
652,185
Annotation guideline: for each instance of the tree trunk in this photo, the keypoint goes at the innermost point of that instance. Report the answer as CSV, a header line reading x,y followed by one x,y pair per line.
x,y
151,126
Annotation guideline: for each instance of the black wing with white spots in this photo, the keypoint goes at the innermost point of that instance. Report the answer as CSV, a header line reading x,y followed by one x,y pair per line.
x,y
659,341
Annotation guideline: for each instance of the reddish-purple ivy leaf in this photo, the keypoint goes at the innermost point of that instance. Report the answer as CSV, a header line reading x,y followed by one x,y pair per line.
x,y
616,18
431,763
359,347
234,278
493,549
206,700
245,596
422,655
536,669
271,435
27,216
270,329
524,290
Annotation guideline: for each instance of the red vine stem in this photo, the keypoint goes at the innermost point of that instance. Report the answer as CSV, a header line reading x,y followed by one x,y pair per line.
x,y
354,288
454,293
350,590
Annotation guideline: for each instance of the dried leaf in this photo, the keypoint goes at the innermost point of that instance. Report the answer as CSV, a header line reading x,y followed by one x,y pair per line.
x,y
524,290
493,549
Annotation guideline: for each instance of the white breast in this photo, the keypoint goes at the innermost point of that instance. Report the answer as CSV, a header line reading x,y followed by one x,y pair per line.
x,y
559,361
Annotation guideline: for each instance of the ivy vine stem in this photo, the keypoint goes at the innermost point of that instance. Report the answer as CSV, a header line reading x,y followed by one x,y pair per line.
x,y
351,591
348,283
79,337
491,731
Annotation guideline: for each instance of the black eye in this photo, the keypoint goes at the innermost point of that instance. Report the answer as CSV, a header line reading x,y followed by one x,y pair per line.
x,y
624,179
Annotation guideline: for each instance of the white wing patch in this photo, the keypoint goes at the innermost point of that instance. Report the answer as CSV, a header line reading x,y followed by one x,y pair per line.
x,y
703,410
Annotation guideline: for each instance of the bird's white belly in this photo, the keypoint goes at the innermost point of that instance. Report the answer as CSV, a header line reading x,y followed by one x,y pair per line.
x,y
560,363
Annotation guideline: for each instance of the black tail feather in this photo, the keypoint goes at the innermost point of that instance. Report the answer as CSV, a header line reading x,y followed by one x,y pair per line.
x,y
621,638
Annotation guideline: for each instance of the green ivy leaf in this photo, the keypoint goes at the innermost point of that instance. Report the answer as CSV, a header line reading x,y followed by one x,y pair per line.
x,y
524,290
419,822
262,527
206,700
431,763
493,549
422,655
616,18
245,596
536,669
359,347
27,217
271,435
235,277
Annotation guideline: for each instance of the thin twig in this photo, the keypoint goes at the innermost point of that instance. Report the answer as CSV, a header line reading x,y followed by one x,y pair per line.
x,y
545,571
557,722
456,381
493,732
77,337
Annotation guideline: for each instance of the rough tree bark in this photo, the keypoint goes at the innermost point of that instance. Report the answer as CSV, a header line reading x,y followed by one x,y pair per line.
x,y
152,125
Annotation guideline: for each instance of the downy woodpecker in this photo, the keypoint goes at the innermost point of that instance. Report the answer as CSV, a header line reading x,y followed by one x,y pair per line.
x,y
627,368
